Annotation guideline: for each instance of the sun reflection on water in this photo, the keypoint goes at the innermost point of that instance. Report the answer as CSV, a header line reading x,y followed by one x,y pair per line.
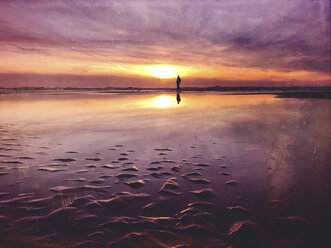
x,y
163,101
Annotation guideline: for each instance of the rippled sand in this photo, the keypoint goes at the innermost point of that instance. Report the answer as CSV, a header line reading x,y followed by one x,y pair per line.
x,y
140,170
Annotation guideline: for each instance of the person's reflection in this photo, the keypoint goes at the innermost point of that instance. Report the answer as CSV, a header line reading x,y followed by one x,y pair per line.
x,y
178,98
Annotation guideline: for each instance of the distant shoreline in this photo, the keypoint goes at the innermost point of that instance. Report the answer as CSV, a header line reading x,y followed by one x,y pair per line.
x,y
321,92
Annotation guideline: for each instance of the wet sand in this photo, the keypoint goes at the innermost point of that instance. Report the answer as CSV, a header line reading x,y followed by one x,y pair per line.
x,y
140,170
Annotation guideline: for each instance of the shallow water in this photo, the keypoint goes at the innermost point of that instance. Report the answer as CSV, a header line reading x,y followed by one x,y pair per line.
x,y
97,170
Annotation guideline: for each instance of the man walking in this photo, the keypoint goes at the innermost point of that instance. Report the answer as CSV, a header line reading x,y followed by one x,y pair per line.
x,y
178,84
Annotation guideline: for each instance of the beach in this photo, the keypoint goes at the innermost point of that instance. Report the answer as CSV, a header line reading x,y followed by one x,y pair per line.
x,y
92,169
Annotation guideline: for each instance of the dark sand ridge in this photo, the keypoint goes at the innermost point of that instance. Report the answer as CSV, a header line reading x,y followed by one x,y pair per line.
x,y
84,214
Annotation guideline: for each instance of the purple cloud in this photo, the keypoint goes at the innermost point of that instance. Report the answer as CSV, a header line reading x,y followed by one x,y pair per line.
x,y
280,35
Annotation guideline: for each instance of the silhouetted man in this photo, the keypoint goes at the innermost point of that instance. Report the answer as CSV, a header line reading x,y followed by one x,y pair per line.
x,y
178,84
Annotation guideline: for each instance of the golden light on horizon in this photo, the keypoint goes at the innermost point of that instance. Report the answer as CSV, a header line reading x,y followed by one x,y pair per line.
x,y
72,64
163,71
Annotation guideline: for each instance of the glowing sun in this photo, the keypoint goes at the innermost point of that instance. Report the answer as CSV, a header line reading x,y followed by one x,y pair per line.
x,y
163,71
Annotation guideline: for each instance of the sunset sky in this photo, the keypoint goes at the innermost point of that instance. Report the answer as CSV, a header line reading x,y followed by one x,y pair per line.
x,y
146,43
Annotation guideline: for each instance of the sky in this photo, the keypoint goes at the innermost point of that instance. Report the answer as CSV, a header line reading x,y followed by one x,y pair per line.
x,y
146,43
